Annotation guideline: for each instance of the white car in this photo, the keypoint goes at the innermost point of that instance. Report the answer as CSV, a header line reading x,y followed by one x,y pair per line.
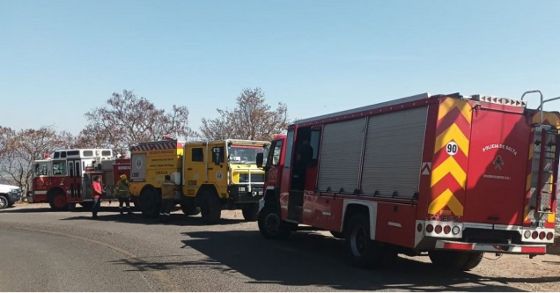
x,y
9,194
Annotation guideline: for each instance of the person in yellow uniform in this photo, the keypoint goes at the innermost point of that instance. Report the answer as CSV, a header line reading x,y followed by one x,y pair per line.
x,y
121,190
167,197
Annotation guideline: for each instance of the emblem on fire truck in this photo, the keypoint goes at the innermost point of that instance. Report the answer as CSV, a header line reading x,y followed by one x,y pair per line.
x,y
498,163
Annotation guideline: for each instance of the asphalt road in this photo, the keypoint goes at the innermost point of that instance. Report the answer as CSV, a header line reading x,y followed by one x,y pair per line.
x,y
42,250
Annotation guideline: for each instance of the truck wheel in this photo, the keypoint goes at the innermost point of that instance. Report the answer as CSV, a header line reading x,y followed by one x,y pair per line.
x,y
250,212
363,251
210,207
189,208
71,206
149,202
58,202
4,203
271,225
456,260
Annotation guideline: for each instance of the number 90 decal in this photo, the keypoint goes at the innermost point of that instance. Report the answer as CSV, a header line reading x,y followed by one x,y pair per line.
x,y
452,148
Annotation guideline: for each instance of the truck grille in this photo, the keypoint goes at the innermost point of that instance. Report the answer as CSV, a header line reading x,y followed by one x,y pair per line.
x,y
244,178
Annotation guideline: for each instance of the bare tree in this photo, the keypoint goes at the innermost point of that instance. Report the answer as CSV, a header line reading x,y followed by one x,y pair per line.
x,y
251,119
128,119
6,135
19,150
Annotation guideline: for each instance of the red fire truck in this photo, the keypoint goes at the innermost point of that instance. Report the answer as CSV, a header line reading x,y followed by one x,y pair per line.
x,y
65,179
446,175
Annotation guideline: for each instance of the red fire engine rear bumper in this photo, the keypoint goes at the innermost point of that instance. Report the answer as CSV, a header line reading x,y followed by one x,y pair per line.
x,y
497,248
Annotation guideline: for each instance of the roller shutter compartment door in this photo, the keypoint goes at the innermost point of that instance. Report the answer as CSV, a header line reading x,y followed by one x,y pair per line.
x,y
393,154
340,155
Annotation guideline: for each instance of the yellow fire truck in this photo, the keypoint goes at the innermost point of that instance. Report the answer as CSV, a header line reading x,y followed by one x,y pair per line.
x,y
210,176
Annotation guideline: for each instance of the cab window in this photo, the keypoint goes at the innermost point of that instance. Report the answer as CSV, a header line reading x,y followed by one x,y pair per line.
x,y
59,168
275,153
197,155
41,169
217,155
290,143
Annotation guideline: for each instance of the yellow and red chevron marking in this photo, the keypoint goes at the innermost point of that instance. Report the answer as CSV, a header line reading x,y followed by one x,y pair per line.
x,y
449,177
156,145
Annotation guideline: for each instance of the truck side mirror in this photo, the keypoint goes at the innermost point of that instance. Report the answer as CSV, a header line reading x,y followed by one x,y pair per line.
x,y
260,160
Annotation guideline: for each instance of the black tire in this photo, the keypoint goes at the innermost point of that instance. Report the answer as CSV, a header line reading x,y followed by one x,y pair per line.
x,y
250,212
57,200
4,202
149,202
362,251
210,207
339,235
189,207
271,225
70,206
456,260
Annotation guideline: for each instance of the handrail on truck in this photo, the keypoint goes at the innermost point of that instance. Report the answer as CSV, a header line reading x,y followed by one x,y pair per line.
x,y
541,99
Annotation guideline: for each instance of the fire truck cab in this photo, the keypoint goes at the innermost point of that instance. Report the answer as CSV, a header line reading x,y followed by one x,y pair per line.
x,y
448,175
65,178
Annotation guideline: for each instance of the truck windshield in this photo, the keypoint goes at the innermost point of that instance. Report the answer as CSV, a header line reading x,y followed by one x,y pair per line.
x,y
244,154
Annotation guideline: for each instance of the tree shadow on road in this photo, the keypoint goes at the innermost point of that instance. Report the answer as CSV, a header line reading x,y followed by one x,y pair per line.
x,y
313,259
155,263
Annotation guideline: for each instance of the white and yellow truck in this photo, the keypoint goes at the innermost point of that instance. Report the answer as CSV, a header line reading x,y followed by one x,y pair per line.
x,y
210,176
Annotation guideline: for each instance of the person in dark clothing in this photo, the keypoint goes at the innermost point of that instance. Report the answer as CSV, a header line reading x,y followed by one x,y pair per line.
x,y
304,157
167,197
96,194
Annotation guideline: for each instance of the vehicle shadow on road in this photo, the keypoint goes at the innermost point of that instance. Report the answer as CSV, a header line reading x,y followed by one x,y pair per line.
x,y
13,210
34,210
309,258
137,218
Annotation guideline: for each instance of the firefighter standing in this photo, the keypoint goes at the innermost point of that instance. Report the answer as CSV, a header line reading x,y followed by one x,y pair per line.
x,y
167,196
123,194
96,193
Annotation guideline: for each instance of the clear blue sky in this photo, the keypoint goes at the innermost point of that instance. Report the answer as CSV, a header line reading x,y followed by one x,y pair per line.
x,y
59,59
